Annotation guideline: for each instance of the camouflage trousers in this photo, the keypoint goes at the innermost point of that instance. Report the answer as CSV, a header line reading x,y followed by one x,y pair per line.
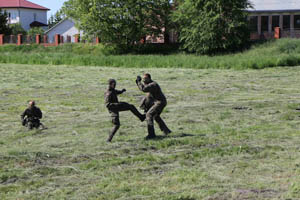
x,y
154,114
120,107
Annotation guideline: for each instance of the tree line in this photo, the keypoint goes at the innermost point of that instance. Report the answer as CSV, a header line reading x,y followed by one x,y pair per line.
x,y
202,26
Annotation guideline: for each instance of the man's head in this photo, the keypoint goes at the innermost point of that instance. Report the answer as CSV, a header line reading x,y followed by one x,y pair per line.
x,y
147,78
31,104
112,83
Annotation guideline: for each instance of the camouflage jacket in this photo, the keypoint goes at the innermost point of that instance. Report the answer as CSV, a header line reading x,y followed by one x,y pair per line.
x,y
155,91
111,97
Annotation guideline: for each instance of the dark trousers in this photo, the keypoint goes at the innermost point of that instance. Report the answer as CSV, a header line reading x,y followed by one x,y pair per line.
x,y
31,123
154,114
120,107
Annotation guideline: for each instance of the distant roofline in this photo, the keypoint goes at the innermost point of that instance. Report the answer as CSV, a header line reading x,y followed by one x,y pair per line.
x,y
25,8
60,22
270,11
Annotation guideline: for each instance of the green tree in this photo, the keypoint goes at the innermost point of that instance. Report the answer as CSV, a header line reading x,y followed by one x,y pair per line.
x,y
56,18
119,22
17,29
212,26
4,28
36,30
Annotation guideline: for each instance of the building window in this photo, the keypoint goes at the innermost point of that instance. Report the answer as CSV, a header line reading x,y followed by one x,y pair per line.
x,y
297,21
13,15
264,23
275,22
286,21
34,17
253,23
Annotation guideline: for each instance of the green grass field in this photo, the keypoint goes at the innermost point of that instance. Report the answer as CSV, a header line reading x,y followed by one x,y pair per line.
x,y
236,135
278,53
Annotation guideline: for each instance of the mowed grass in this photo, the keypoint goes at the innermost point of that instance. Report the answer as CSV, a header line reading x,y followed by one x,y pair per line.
x,y
236,135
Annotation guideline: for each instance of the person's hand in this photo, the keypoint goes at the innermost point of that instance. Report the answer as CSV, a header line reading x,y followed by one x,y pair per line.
x,y
124,90
138,79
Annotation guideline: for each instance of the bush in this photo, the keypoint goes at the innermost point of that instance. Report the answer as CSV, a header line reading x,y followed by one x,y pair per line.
x,y
289,46
17,29
155,48
21,49
212,26
36,30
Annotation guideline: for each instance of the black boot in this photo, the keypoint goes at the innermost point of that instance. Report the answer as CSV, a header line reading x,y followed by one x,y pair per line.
x,y
112,133
167,131
142,117
151,133
133,109
162,125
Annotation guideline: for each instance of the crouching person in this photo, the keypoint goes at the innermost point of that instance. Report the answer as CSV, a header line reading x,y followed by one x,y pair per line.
x,y
114,107
31,116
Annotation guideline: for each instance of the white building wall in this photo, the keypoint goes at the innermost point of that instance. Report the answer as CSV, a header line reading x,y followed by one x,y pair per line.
x,y
65,28
27,16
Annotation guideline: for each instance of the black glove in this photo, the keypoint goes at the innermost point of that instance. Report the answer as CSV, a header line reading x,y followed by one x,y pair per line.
x,y
138,79
124,90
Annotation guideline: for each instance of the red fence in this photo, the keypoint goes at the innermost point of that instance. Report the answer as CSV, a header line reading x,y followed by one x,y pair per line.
x,y
38,39
277,34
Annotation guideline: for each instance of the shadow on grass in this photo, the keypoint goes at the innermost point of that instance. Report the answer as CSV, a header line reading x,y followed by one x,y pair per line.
x,y
183,135
39,132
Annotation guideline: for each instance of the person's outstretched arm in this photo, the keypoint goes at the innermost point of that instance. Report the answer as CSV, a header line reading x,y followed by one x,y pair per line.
x,y
120,91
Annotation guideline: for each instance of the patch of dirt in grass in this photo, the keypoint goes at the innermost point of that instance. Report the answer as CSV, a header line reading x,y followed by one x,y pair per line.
x,y
241,108
8,180
256,193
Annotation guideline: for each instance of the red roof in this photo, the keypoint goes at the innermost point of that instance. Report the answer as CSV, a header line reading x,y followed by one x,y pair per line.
x,y
20,4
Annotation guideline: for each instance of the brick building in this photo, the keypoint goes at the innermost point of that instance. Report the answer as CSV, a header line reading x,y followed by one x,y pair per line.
x,y
268,14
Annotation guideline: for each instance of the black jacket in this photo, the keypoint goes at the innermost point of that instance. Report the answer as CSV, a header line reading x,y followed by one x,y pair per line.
x,y
32,113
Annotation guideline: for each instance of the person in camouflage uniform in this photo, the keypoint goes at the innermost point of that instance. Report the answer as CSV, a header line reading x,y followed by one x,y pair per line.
x,y
153,104
114,107
147,102
31,116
